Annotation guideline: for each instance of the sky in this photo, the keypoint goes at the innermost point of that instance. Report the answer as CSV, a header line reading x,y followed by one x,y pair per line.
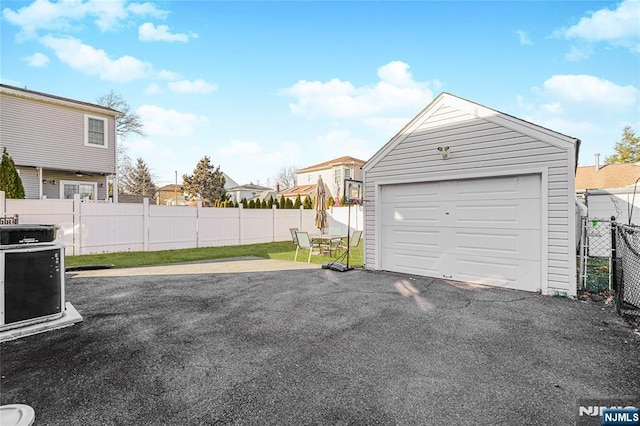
x,y
261,86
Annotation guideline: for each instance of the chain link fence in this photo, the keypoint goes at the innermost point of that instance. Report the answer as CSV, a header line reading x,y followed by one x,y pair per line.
x,y
626,272
595,255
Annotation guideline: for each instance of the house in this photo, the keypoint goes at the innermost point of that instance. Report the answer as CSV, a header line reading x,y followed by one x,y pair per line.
x,y
60,146
610,190
333,173
468,193
248,191
171,195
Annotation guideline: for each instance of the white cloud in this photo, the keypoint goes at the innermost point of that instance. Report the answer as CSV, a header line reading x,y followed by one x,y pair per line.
x,y
335,142
587,90
147,9
153,89
149,32
578,53
68,14
165,122
167,75
585,107
524,38
620,26
395,93
197,86
90,60
37,60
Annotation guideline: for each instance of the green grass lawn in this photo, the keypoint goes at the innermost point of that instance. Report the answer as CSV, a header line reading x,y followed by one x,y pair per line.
x,y
284,250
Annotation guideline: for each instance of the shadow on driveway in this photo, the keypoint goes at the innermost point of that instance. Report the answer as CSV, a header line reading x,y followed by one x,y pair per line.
x,y
317,347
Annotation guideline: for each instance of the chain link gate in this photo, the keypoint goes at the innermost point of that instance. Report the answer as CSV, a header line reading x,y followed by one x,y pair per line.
x,y
626,273
595,255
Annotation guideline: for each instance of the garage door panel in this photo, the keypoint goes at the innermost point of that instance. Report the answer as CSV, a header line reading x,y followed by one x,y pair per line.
x,y
411,215
525,275
500,243
412,193
413,262
513,214
412,238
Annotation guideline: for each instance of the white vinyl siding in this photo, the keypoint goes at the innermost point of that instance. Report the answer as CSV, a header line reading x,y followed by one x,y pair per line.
x,y
480,147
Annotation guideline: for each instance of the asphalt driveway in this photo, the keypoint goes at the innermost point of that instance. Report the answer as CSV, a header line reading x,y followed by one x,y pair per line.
x,y
317,346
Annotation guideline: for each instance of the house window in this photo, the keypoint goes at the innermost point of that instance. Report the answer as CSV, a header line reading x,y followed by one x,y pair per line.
x,y
347,173
338,174
95,131
87,190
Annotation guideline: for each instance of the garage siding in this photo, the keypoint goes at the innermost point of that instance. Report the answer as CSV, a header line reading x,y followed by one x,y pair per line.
x,y
476,145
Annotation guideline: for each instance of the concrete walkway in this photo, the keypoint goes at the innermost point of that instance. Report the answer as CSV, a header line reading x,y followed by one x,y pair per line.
x,y
226,266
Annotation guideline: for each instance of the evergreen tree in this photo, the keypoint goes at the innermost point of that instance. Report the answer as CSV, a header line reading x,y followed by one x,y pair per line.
x,y
264,204
308,204
252,204
137,180
244,202
288,204
270,203
206,183
10,181
627,150
298,202
236,205
283,202
330,202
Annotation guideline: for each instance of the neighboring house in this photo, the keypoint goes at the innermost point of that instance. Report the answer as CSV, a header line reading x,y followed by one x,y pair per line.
x,y
171,195
249,191
60,146
333,173
468,193
610,190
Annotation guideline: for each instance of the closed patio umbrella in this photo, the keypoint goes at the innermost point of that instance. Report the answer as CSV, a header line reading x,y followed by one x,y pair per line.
x,y
321,205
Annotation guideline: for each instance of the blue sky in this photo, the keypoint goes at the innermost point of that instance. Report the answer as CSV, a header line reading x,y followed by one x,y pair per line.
x,y
258,86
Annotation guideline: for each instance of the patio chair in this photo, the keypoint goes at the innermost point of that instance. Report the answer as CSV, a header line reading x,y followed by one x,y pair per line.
x,y
354,241
294,237
304,243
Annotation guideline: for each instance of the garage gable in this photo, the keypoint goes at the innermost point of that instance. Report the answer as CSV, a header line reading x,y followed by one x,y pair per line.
x,y
498,210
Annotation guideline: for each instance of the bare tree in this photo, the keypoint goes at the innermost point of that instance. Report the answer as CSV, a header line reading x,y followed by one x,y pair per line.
x,y
130,122
286,177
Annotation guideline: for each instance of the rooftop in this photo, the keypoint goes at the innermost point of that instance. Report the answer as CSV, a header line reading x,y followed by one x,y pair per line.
x,y
607,176
346,160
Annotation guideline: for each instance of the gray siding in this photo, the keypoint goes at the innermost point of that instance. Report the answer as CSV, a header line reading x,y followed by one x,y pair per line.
x,y
29,179
478,145
40,134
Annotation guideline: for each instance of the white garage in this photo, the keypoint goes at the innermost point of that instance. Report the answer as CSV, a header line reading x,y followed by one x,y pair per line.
x,y
467,193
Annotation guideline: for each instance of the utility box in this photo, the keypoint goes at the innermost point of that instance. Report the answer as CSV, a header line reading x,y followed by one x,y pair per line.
x,y
31,275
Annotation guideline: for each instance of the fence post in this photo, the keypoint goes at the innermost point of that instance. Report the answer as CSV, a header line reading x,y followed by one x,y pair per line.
x,y
273,223
77,225
145,224
614,255
240,211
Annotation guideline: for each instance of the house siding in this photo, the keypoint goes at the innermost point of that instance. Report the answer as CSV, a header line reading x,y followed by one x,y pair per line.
x,y
41,134
478,145
29,177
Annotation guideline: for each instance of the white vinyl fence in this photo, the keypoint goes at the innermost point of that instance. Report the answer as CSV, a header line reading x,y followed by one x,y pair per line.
x,y
87,227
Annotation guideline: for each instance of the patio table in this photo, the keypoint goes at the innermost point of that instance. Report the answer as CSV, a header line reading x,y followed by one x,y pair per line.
x,y
329,242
